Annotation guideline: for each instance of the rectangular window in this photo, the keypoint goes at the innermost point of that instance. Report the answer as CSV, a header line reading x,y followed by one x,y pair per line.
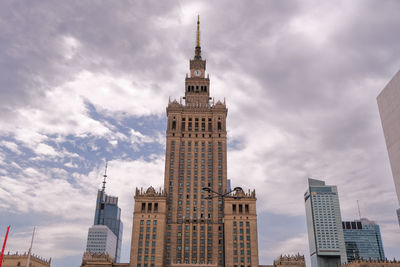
x,y
155,207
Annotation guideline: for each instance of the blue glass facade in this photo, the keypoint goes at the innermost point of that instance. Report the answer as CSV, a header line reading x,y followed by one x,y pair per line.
x,y
363,240
108,213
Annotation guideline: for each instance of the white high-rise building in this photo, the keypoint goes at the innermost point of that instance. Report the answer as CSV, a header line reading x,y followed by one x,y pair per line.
x,y
389,109
101,240
324,225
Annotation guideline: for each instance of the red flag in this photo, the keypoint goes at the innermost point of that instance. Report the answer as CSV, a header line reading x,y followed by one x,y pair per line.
x,y
4,246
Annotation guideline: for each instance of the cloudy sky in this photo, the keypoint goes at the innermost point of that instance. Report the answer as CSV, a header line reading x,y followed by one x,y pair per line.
x,y
84,81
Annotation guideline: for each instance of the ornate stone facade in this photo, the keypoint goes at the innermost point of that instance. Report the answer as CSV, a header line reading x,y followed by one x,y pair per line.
x,y
290,261
14,260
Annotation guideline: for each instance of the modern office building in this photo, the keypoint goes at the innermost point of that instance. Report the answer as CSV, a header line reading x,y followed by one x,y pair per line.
x,y
389,110
107,213
363,240
182,225
101,240
324,225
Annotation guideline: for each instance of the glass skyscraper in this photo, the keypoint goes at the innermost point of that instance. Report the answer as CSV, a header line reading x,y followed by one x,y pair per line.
x,y
108,213
363,240
324,224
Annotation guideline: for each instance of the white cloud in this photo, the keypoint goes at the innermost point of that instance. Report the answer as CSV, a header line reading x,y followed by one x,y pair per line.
x,y
11,146
43,149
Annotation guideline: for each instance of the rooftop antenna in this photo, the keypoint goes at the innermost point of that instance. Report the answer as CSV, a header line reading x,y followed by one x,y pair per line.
x,y
359,212
30,249
104,180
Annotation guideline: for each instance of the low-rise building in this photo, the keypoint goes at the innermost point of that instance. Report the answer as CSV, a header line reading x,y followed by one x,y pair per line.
x,y
372,263
18,259
91,259
290,261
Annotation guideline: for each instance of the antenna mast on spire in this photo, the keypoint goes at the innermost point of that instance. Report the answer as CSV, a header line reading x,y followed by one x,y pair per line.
x,y
104,180
359,212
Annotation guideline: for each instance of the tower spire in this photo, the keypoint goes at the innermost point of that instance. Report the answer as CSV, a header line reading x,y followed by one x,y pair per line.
x,y
198,32
197,51
104,180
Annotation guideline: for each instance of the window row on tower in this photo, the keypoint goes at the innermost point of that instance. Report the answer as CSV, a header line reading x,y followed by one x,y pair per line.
x,y
197,88
196,124
151,207
238,208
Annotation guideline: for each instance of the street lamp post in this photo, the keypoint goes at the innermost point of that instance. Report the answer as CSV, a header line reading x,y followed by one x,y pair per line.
x,y
213,194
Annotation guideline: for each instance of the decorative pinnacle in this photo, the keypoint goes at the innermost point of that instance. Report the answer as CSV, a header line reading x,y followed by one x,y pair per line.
x,y
197,50
198,31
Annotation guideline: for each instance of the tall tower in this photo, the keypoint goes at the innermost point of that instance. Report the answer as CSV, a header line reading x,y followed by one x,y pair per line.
x,y
195,158
193,229
389,110
324,225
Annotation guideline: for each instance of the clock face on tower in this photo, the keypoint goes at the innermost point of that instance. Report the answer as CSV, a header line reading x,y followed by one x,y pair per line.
x,y
197,73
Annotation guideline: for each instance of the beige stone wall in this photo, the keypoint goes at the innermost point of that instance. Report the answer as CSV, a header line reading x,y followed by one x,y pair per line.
x,y
241,244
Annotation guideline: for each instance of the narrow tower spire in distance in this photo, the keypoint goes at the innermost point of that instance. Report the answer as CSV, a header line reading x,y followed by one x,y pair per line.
x,y
104,176
198,32
197,51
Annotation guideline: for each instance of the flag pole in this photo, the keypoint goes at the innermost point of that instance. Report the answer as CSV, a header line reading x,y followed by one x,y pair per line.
x,y
30,249
4,246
